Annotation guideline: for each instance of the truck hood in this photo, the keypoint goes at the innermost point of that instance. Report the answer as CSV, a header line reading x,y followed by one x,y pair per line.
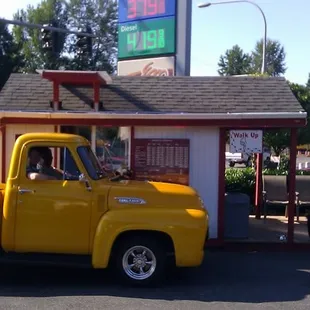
x,y
152,194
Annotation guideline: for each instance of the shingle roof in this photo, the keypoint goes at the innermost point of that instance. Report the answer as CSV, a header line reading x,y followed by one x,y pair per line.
x,y
243,94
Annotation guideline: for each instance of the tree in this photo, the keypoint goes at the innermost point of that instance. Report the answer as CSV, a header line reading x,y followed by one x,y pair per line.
x,y
275,58
10,58
308,82
100,15
234,62
302,94
277,139
30,40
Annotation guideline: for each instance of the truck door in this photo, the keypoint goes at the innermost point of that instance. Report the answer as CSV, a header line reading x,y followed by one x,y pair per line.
x,y
53,216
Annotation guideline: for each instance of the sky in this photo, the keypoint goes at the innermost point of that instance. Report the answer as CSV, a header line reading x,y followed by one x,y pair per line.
x,y
217,28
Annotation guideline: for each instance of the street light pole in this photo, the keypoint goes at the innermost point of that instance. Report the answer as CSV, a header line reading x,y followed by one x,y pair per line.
x,y
205,5
37,26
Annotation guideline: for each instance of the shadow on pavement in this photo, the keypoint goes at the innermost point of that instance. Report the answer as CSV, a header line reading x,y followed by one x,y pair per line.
x,y
226,277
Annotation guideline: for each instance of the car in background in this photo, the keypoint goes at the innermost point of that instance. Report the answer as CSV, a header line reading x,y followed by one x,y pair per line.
x,y
246,158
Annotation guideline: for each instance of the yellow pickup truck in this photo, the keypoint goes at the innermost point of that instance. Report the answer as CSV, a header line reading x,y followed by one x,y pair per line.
x,y
73,213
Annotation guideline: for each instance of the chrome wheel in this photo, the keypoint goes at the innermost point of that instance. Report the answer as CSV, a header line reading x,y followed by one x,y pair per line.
x,y
139,262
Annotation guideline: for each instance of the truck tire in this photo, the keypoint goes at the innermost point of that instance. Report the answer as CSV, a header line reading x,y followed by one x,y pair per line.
x,y
140,261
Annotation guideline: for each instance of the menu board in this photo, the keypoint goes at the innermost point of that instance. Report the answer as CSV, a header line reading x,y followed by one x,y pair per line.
x,y
163,160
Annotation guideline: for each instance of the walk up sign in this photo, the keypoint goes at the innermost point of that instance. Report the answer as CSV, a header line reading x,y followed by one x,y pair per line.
x,y
246,141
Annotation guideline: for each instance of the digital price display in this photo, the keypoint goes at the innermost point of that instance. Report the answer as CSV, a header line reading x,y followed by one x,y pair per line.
x,y
145,38
131,10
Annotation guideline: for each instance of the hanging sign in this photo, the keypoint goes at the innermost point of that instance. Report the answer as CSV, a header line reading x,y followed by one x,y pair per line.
x,y
162,160
246,141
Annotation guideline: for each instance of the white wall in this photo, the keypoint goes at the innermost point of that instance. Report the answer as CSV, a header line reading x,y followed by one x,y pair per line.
x,y
204,161
13,130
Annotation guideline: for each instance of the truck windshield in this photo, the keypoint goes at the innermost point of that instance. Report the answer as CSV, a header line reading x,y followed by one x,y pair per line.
x,y
91,163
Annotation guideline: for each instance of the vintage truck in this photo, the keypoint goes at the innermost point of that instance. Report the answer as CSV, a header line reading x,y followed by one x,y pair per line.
x,y
74,214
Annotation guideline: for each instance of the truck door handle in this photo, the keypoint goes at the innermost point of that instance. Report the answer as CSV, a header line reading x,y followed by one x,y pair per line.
x,y
24,191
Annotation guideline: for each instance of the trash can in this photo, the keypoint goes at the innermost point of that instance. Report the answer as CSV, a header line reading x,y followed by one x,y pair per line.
x,y
236,216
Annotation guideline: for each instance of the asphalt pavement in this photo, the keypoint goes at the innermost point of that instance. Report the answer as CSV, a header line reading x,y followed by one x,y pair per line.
x,y
225,281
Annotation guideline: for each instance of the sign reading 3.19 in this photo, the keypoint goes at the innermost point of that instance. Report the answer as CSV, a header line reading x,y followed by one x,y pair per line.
x,y
130,10
149,37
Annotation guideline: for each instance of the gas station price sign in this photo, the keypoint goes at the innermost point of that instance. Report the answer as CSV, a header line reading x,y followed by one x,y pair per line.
x,y
146,38
130,10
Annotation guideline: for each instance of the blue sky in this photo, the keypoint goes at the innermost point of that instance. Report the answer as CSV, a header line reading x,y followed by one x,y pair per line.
x,y
217,28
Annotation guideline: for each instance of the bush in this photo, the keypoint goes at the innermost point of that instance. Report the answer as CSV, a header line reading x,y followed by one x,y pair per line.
x,y
240,180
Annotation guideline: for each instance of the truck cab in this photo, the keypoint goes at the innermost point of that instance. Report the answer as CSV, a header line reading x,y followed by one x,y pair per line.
x,y
59,206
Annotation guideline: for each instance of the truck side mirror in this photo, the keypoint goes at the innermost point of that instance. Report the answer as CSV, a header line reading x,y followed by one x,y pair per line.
x,y
83,179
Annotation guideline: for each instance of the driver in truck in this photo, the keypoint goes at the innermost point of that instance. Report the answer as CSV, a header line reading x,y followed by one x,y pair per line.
x,y
46,165
38,162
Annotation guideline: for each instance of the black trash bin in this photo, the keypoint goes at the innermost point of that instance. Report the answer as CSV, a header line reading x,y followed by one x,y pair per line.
x,y
236,217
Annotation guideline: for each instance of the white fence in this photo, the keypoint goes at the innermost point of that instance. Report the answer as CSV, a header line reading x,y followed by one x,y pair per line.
x,y
303,166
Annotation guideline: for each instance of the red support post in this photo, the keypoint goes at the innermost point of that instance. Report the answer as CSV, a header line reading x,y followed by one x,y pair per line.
x,y
3,133
132,150
258,185
55,96
292,186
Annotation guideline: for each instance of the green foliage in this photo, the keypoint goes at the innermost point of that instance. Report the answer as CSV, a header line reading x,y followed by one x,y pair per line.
x,y
259,74
284,164
243,180
275,57
234,62
277,139
240,180
100,15
29,39
302,94
10,58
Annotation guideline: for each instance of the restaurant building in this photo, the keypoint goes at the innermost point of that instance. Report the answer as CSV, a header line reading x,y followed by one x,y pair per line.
x,y
164,128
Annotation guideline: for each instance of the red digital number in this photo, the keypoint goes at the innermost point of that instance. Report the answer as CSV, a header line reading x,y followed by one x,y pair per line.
x,y
152,7
161,6
132,9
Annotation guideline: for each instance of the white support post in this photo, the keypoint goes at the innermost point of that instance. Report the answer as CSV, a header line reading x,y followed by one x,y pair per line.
x,y
93,138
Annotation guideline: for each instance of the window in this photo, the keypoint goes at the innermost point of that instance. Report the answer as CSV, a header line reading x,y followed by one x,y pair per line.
x,y
90,162
110,144
112,147
51,163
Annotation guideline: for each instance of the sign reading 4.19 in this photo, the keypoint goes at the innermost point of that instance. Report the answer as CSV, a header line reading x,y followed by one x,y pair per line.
x,y
146,38
130,10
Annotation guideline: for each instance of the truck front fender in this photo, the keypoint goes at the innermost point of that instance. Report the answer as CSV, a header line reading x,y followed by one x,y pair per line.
x,y
187,229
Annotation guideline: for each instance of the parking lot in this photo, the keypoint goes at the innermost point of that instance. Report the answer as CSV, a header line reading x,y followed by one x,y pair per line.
x,y
225,281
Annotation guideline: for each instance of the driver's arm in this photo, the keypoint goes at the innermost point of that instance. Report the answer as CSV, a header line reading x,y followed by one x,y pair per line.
x,y
39,176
